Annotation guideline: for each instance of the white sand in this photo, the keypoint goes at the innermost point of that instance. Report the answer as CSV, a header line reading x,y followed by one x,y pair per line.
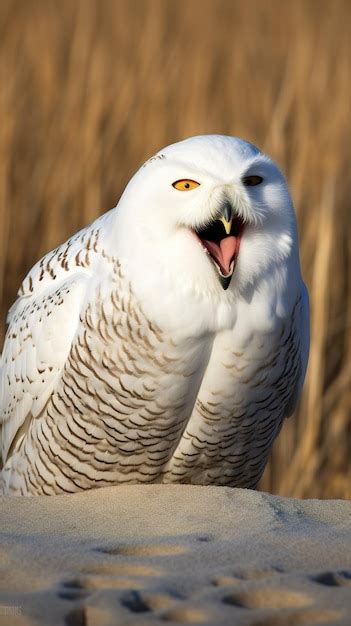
x,y
178,554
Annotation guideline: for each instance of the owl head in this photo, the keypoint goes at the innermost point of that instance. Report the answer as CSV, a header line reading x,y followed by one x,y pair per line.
x,y
210,215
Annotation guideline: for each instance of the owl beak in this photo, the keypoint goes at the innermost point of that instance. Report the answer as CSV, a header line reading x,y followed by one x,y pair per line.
x,y
221,241
227,218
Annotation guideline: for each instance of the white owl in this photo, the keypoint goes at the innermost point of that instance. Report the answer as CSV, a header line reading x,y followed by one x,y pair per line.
x,y
166,341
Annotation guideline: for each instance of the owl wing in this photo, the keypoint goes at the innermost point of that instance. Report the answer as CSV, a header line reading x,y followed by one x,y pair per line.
x,y
304,344
42,324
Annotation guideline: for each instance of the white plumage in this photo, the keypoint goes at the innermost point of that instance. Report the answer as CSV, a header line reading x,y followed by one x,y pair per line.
x,y
166,341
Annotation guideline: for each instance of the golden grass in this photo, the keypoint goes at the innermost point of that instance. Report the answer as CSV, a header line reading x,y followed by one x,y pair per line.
x,y
90,89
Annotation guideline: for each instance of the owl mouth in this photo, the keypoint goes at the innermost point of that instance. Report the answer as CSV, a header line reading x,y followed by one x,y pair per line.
x,y
221,242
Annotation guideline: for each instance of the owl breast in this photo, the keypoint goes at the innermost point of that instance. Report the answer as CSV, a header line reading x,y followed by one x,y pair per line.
x,y
239,410
134,404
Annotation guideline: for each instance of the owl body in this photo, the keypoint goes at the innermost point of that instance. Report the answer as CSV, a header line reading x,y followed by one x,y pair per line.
x,y
127,361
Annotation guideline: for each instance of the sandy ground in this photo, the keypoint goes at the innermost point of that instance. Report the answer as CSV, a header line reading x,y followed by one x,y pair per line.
x,y
142,555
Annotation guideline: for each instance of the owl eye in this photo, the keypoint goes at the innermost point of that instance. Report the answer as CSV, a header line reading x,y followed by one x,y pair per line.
x,y
185,184
252,181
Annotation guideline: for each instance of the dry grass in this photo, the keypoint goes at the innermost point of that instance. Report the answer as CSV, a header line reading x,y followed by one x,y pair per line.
x,y
90,89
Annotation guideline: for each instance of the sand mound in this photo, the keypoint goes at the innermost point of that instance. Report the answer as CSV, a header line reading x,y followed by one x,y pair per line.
x,y
180,554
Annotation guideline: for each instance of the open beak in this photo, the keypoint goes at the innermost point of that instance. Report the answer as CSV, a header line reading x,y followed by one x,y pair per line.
x,y
221,241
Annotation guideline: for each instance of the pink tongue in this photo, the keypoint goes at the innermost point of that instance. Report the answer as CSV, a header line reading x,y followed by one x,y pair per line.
x,y
224,252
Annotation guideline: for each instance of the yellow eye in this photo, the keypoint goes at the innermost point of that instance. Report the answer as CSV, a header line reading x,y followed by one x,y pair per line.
x,y
185,184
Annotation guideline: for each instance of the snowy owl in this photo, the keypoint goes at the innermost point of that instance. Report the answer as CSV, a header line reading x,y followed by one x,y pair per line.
x,y
165,342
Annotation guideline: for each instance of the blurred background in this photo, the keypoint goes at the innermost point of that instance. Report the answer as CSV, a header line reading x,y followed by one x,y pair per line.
x,y
90,89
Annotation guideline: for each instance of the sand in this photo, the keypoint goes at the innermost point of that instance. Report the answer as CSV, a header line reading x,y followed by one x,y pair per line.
x,y
177,554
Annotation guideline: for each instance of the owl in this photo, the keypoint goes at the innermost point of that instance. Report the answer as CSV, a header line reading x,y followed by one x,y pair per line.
x,y
168,340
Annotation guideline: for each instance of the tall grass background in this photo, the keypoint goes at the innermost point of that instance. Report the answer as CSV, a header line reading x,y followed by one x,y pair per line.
x,y
90,89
